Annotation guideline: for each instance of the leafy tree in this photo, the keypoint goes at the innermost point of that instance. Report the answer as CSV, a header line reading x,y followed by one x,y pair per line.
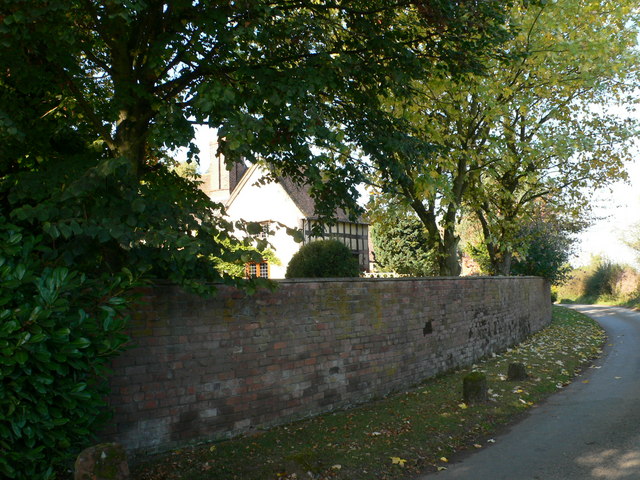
x,y
273,77
401,245
536,127
323,259
544,244
556,136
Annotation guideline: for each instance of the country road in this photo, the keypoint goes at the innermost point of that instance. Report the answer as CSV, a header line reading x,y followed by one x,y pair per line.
x,y
590,430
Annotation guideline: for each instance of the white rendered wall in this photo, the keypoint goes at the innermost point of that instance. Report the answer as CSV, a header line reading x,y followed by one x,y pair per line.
x,y
269,202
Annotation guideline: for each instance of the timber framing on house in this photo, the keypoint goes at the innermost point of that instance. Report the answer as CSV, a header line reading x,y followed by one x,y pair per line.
x,y
279,202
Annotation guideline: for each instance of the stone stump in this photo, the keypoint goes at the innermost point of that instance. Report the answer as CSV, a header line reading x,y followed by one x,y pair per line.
x,y
106,461
517,371
474,388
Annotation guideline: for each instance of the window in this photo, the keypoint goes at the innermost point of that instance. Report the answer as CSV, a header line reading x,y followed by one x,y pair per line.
x,y
254,269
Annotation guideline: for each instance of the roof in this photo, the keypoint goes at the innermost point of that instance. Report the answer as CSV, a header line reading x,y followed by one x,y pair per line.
x,y
299,194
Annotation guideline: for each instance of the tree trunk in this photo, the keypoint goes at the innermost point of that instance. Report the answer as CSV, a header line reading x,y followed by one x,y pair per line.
x,y
131,137
448,262
500,261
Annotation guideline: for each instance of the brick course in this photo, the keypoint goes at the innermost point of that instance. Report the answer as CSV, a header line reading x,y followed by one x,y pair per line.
x,y
214,368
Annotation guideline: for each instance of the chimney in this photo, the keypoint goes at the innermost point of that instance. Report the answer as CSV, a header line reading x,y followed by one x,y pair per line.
x,y
217,183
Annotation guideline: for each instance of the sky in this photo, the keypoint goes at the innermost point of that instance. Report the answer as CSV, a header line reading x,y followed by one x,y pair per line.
x,y
619,209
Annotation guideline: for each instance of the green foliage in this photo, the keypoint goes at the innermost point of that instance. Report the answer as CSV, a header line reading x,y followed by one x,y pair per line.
x,y
572,289
401,245
546,254
543,246
527,130
59,328
602,281
276,79
98,218
323,259
187,170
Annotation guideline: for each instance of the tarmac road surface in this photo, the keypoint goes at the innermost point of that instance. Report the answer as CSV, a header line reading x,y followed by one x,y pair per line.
x,y
587,431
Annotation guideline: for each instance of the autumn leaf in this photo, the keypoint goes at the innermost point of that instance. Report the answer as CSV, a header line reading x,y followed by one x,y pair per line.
x,y
398,461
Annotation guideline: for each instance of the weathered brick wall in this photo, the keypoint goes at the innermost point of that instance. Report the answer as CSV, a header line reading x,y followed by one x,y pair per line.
x,y
213,368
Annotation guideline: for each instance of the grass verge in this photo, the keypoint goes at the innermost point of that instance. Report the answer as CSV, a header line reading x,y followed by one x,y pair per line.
x,y
403,434
632,303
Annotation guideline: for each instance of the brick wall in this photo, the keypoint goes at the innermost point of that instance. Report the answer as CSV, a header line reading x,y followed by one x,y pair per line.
x,y
214,368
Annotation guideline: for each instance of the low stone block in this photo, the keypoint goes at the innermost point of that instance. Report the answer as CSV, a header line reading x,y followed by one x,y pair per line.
x,y
106,461
517,371
474,388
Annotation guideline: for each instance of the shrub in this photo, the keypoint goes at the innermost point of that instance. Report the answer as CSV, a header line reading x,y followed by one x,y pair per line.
x,y
572,289
603,279
58,331
322,259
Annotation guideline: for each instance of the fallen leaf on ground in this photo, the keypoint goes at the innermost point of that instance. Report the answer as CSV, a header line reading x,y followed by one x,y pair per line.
x,y
398,461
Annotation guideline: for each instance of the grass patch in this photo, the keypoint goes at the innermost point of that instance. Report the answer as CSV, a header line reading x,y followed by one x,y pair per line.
x,y
403,434
608,300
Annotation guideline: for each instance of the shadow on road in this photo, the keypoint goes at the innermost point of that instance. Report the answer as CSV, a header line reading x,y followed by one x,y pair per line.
x,y
612,464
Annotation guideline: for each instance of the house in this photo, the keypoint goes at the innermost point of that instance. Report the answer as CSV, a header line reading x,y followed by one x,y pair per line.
x,y
279,202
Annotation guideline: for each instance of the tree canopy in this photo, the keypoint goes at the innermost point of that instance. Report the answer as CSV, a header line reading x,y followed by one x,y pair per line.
x,y
94,93
539,125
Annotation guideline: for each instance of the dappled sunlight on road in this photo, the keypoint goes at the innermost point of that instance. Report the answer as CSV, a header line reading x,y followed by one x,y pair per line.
x,y
595,310
612,464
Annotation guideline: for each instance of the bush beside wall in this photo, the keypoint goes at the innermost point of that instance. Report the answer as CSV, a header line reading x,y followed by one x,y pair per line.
x,y
215,368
